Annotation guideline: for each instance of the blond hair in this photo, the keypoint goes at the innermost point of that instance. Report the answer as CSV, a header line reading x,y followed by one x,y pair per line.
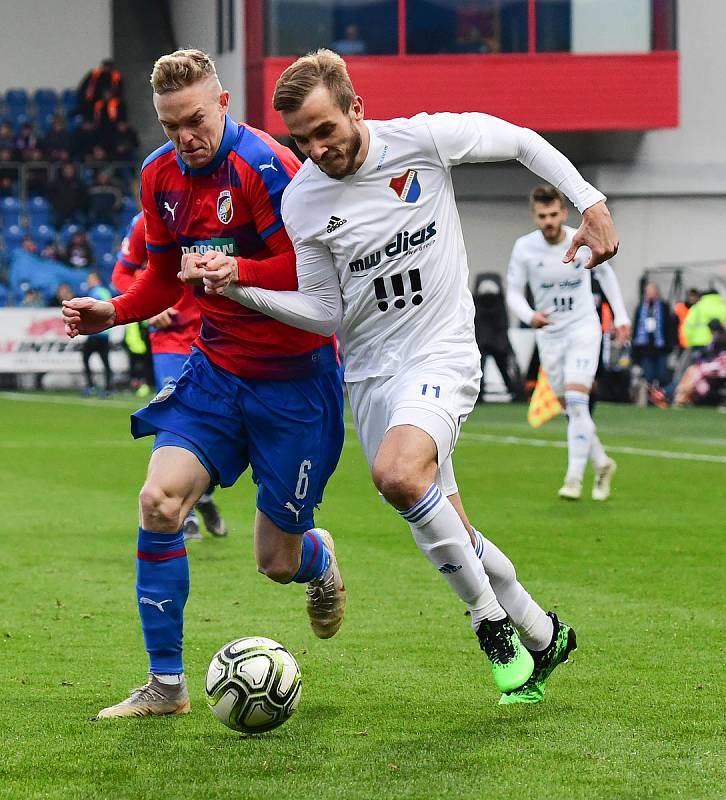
x,y
180,69
322,67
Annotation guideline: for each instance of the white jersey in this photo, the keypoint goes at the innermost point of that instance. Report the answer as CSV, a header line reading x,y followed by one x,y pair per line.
x,y
380,253
564,291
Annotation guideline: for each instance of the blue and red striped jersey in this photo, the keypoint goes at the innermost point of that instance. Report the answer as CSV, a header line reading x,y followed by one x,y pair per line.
x,y
231,205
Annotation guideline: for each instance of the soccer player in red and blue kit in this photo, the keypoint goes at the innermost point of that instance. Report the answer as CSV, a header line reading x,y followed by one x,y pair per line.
x,y
253,392
171,334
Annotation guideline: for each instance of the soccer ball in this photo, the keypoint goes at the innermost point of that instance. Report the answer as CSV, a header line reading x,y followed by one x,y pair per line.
x,y
253,684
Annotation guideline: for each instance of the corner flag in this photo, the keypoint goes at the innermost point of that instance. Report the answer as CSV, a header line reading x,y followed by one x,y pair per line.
x,y
544,403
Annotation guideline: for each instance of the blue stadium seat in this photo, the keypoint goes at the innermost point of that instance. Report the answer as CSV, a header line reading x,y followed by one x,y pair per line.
x,y
16,100
68,230
13,236
105,264
103,239
69,101
129,209
44,122
38,210
18,119
3,296
10,211
43,234
46,101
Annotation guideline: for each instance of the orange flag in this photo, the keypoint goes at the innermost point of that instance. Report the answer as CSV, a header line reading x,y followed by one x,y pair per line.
x,y
543,404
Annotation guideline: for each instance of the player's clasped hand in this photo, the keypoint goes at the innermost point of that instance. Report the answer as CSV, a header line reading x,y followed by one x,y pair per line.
x,y
219,271
191,270
540,319
85,315
597,232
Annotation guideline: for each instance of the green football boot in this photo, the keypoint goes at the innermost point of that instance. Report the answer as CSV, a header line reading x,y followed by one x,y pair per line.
x,y
557,652
511,663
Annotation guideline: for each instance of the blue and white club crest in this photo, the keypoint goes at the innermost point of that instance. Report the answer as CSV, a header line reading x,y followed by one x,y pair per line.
x,y
406,186
224,207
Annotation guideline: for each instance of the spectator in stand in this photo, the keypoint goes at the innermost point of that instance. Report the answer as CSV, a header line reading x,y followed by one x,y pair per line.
x,y
701,379
68,196
97,342
351,44
96,162
654,336
9,174
85,137
104,199
36,172
29,245
80,252
7,139
95,83
63,292
681,311
26,139
52,252
58,142
32,298
125,141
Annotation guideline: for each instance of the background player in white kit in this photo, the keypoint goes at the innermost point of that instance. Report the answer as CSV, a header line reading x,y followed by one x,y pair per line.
x,y
381,258
568,334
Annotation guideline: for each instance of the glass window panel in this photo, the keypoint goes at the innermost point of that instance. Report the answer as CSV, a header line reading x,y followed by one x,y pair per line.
x,y
605,26
474,26
352,27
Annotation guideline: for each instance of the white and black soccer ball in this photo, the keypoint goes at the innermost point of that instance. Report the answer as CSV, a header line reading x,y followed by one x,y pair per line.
x,y
253,684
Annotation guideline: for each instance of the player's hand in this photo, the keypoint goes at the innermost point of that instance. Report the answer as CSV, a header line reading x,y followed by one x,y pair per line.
x,y
163,320
84,315
622,333
191,270
540,319
219,271
596,232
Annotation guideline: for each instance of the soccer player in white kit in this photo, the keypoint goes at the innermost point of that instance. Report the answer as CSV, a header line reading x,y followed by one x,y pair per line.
x,y
381,258
568,330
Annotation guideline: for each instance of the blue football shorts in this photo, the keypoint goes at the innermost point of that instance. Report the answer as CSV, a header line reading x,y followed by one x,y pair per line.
x,y
167,367
289,431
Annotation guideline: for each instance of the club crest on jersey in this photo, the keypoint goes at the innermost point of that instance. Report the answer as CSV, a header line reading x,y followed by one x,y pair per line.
x,y
406,186
224,207
165,392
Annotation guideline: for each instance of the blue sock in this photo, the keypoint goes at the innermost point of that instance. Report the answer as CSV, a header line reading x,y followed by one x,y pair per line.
x,y
478,544
162,588
315,557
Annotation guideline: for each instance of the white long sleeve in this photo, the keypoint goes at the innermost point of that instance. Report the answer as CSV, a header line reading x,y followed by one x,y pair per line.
x,y
516,283
474,137
609,282
316,306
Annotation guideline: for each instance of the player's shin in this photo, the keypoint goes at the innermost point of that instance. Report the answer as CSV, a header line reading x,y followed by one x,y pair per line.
x,y
315,557
597,454
162,588
441,536
532,623
580,428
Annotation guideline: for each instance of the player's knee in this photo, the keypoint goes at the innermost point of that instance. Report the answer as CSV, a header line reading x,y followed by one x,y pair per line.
x,y
398,483
277,568
160,511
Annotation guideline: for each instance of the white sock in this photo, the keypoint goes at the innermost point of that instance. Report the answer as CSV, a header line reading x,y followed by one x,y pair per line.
x,y
533,625
169,680
441,536
579,433
598,456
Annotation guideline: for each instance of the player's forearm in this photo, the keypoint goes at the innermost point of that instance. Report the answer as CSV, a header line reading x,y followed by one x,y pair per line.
x,y
276,272
608,281
519,305
155,290
319,314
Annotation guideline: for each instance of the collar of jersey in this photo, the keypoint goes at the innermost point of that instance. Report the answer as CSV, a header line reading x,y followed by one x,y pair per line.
x,y
371,160
229,137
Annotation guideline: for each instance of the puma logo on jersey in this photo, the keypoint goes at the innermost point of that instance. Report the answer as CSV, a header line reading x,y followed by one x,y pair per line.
x,y
147,601
171,210
271,165
334,223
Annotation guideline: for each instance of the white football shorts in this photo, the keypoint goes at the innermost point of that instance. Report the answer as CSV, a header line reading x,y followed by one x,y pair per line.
x,y
570,355
434,396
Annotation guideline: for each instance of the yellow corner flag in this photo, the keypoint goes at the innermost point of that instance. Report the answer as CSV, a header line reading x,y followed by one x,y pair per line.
x,y
544,403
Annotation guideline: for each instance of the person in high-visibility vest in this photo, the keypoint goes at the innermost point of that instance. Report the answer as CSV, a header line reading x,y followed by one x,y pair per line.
x,y
681,311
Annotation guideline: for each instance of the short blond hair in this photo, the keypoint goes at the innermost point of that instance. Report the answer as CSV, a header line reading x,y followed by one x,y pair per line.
x,y
322,67
180,69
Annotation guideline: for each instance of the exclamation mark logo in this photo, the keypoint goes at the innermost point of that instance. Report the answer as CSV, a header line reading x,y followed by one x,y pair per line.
x,y
417,299
380,289
398,290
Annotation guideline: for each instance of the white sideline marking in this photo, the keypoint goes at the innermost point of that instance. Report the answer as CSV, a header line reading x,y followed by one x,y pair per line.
x,y
474,437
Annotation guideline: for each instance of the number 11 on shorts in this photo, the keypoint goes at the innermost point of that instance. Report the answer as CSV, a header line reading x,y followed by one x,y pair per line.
x,y
436,389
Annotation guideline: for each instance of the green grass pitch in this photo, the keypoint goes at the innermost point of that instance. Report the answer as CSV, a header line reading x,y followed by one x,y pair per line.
x,y
400,704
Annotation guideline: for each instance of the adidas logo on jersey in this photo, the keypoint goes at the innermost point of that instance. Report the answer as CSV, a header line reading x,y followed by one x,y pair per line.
x,y
448,569
334,223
